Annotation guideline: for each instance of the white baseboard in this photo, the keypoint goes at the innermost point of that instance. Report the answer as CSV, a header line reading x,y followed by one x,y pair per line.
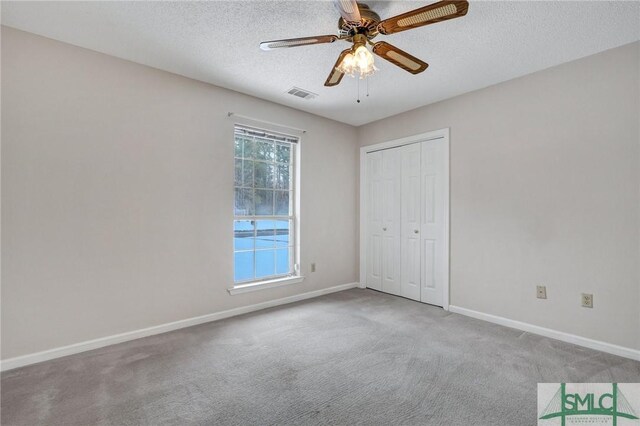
x,y
88,345
553,334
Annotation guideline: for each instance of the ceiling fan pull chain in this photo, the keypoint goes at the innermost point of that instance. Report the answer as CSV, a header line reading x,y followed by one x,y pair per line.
x,y
358,87
367,87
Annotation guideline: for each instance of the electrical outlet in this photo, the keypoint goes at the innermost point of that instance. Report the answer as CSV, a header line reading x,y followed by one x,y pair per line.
x,y
313,267
541,292
587,300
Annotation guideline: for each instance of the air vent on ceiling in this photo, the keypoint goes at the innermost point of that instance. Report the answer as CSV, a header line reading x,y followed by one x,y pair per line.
x,y
301,93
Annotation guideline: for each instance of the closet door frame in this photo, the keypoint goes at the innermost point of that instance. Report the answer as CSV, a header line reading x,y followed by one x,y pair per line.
x,y
422,137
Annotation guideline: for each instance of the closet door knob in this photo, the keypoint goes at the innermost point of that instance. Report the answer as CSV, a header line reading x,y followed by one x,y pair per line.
x,y
415,231
384,229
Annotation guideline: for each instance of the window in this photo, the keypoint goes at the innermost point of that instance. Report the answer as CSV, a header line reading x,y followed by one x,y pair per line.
x,y
264,237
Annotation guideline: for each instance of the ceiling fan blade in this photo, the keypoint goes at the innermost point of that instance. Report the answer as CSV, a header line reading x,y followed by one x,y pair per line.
x,y
335,76
399,57
348,10
436,12
294,42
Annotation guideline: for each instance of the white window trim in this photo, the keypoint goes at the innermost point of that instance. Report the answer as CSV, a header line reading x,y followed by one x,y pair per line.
x,y
262,285
245,287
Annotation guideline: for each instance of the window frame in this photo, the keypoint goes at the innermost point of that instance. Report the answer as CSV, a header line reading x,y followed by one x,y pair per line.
x,y
293,275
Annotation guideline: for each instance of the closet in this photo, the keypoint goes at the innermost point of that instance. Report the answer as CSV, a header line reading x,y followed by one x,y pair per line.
x,y
406,219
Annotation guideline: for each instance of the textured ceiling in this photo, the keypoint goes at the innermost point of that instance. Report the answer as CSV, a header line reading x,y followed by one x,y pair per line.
x,y
217,42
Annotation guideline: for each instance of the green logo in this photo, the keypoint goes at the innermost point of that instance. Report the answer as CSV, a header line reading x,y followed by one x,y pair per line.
x,y
611,404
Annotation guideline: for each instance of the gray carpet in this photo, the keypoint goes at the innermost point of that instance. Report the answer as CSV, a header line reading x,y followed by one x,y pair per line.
x,y
354,357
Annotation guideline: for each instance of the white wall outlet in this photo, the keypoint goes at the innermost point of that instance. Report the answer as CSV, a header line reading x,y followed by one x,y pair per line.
x,y
541,292
313,267
587,300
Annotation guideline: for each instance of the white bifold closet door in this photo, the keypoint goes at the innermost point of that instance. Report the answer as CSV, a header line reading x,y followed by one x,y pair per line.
x,y
373,201
384,185
405,207
433,222
391,227
410,222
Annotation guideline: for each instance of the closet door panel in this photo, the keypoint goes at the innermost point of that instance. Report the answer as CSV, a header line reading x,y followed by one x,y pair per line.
x,y
410,222
391,198
373,203
433,225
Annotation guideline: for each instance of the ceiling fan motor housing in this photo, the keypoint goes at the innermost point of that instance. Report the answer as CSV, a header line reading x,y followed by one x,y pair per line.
x,y
368,25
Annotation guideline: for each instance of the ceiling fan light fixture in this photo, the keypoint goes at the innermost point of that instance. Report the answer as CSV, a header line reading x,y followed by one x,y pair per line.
x,y
359,62
347,65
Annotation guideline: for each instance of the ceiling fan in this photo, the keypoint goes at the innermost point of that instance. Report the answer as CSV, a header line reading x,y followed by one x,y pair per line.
x,y
359,24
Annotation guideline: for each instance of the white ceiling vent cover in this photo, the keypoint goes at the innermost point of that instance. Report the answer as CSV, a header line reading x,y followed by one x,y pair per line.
x,y
301,93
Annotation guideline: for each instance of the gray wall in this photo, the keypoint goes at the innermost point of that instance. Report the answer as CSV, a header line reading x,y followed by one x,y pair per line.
x,y
545,189
117,187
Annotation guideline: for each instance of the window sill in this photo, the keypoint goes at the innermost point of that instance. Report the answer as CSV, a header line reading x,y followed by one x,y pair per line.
x,y
262,285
